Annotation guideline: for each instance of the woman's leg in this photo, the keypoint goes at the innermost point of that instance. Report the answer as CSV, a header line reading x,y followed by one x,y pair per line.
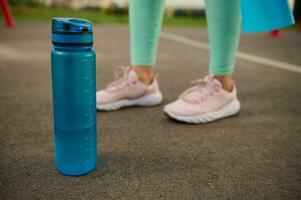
x,y
224,25
215,97
145,25
137,85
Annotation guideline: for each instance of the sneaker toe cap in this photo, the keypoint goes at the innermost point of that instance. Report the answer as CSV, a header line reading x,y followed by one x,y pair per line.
x,y
178,108
102,97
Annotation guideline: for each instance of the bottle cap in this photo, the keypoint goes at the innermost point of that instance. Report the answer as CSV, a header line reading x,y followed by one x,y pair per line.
x,y
72,32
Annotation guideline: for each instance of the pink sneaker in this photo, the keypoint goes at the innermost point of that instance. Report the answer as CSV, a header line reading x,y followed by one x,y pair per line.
x,y
206,102
127,91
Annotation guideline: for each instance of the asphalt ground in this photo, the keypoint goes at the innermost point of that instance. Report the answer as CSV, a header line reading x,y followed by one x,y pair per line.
x,y
143,154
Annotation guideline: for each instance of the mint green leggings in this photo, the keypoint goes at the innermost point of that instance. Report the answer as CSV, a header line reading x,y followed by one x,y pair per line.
x,y
224,23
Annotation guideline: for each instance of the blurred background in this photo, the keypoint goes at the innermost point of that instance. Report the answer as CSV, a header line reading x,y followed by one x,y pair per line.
x,y
103,11
178,12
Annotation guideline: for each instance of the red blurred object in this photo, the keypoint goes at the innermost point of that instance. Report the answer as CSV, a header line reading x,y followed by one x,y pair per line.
x,y
7,14
275,33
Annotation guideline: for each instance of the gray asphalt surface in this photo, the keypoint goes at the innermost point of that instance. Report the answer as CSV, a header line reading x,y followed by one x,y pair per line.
x,y
142,154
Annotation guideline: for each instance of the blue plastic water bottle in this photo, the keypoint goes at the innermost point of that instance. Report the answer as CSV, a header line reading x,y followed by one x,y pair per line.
x,y
74,99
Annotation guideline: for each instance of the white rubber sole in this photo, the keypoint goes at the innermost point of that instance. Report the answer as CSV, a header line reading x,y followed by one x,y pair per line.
x,y
229,110
149,100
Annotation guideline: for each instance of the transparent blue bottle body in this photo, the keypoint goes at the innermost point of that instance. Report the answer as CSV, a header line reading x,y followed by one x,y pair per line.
x,y
74,103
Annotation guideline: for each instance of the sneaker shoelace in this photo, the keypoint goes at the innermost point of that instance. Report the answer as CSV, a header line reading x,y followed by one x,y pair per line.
x,y
122,79
204,89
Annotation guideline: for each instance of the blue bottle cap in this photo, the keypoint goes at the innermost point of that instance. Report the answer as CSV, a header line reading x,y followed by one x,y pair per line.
x,y
72,32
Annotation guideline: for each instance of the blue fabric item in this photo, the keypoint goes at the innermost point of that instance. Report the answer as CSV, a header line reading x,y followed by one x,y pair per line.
x,y
265,15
